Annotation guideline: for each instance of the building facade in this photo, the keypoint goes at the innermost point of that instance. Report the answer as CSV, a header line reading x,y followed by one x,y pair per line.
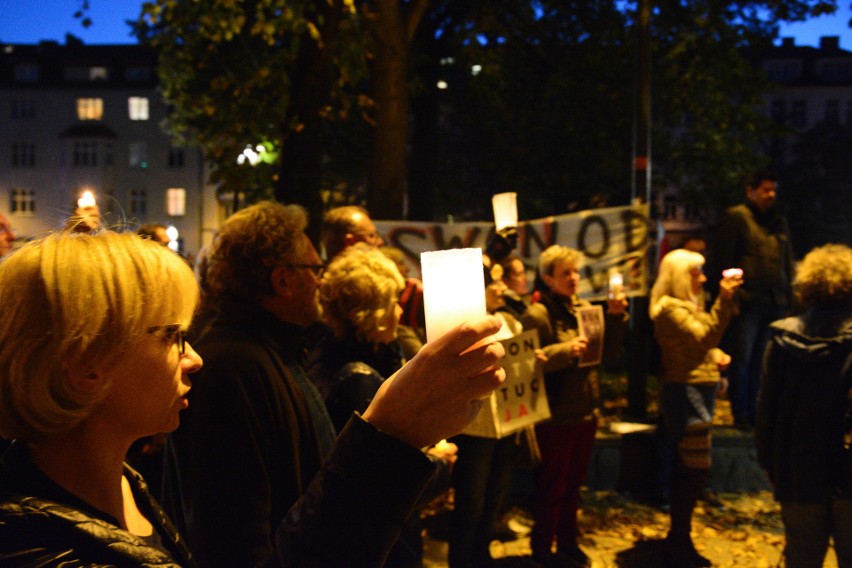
x,y
80,117
811,104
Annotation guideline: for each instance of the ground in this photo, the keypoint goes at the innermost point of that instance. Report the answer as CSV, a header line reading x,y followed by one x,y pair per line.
x,y
742,530
739,530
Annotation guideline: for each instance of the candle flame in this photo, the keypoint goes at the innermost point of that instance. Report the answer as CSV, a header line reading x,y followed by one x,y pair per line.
x,y
86,200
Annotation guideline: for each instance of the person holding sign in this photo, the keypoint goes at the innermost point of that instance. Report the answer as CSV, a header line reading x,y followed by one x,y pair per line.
x,y
689,339
483,471
567,439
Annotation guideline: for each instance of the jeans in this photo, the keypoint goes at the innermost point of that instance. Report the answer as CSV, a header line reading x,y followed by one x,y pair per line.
x,y
745,341
808,526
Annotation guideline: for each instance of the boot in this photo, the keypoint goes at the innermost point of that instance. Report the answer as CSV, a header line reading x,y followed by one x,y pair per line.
x,y
687,485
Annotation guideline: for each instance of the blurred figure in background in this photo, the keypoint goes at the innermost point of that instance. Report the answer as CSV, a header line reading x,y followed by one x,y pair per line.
x,y
573,394
156,232
483,471
689,338
804,418
7,237
753,236
516,298
344,226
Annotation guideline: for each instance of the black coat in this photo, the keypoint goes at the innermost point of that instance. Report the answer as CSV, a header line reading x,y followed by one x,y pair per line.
x,y
42,524
804,394
246,448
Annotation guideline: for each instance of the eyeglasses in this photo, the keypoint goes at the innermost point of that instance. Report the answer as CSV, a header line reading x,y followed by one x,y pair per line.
x,y
173,333
317,269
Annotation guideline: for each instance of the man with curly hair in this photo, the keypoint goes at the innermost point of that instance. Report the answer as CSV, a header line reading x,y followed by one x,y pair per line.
x,y
804,413
256,430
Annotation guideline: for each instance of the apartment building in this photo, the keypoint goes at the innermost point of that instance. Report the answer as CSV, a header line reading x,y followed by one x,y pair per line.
x,y
76,118
813,89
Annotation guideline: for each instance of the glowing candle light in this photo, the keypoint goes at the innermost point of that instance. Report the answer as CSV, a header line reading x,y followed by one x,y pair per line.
x,y
453,289
86,200
505,210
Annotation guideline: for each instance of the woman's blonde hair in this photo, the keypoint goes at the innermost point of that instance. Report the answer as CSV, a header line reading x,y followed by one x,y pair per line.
x,y
558,253
72,303
358,288
824,277
674,278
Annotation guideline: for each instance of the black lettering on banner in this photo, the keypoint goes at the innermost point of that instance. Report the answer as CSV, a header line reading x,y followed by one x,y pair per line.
x,y
514,348
633,219
529,344
534,384
598,280
588,223
396,235
527,232
455,241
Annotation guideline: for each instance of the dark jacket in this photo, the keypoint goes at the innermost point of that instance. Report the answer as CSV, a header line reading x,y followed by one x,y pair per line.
x,y
42,524
350,515
759,243
804,393
573,392
246,448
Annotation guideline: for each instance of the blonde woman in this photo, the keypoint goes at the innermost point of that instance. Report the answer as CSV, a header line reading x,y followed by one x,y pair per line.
x,y
359,295
93,357
689,338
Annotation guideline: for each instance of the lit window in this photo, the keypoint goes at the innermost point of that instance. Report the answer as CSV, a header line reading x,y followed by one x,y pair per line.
x,y
137,108
22,202
98,74
85,153
138,155
176,201
138,202
23,155
90,109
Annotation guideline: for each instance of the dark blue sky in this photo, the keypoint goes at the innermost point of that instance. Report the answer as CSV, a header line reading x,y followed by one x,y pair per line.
x,y
28,21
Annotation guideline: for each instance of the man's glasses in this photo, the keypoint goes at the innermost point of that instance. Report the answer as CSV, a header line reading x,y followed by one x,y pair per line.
x,y
317,269
173,334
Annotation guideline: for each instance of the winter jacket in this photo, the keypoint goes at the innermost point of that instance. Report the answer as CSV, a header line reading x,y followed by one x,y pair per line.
x,y
573,392
804,394
689,339
42,524
759,243
247,447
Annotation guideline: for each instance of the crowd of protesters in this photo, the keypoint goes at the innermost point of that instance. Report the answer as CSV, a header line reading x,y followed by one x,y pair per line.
x,y
308,421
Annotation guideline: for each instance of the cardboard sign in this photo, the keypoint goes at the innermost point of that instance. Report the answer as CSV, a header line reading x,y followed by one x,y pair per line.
x,y
521,400
590,322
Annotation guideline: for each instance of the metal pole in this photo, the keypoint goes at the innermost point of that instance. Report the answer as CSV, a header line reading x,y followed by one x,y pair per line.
x,y
638,342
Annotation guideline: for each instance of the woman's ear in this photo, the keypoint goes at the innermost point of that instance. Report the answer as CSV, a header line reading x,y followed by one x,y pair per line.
x,y
88,382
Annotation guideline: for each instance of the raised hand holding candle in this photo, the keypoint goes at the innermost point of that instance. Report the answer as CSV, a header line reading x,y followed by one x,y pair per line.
x,y
505,210
453,289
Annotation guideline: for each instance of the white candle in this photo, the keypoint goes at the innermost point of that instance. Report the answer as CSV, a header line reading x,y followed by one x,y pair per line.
x,y
453,289
505,210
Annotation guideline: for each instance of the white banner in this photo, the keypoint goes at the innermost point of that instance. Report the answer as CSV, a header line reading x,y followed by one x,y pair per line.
x,y
611,238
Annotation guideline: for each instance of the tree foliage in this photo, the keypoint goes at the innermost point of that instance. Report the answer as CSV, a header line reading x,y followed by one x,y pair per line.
x,y
539,96
271,72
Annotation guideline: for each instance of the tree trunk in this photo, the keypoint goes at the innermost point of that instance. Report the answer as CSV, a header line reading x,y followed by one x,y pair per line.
x,y
394,26
300,176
